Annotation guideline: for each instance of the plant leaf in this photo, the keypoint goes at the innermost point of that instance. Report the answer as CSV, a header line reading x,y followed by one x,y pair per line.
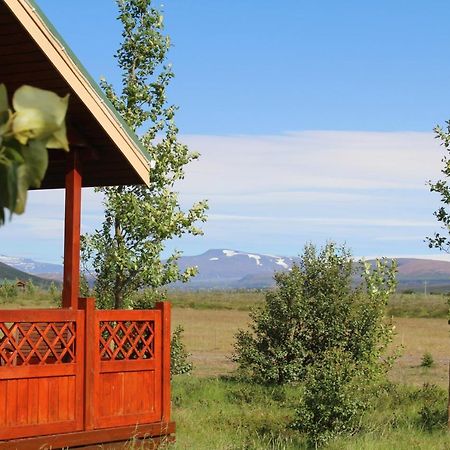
x,y
3,98
36,160
38,114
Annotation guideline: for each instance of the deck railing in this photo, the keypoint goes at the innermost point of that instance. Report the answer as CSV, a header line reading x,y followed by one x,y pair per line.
x,y
65,371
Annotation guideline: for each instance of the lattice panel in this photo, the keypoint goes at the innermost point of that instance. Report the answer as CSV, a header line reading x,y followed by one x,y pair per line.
x,y
125,340
30,343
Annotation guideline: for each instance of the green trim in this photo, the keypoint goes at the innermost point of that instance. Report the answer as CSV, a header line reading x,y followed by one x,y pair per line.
x,y
92,82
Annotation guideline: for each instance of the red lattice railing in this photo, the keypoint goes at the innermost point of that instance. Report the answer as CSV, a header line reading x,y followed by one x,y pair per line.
x,y
125,340
27,343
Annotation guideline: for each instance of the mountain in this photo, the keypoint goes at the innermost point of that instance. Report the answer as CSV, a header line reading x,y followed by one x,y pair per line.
x,y
222,269
233,269
40,269
10,273
423,274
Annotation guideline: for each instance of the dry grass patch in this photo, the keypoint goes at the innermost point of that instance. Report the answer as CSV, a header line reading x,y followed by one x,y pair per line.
x,y
209,336
418,336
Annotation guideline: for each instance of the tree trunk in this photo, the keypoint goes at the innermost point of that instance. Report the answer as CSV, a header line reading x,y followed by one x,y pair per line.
x,y
118,297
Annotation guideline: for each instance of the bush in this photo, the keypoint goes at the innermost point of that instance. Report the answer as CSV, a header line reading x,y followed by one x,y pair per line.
x,y
8,290
333,399
433,414
179,356
315,308
427,360
30,287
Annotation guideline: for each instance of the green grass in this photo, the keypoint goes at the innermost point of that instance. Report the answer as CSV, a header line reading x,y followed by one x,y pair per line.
x,y
222,413
215,412
230,300
418,305
400,305
40,298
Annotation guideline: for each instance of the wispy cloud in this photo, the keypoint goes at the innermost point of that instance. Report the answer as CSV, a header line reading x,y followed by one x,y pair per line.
x,y
312,160
274,193
327,222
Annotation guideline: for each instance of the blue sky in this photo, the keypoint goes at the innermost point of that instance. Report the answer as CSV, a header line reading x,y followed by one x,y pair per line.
x,y
314,120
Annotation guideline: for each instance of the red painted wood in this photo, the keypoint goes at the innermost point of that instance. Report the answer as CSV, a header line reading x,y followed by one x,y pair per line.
x,y
82,438
41,395
118,373
127,382
165,307
90,338
72,224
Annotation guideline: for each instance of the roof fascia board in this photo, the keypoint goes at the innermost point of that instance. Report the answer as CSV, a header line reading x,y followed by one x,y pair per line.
x,y
77,77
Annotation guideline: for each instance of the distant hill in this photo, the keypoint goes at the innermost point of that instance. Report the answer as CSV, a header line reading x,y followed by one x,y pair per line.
x,y
423,274
10,273
40,269
234,269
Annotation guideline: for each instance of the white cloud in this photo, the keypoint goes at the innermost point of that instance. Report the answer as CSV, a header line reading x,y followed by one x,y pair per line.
x,y
312,160
273,193
325,221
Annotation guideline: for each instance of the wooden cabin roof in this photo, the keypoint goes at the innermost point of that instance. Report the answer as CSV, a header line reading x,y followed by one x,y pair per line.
x,y
32,52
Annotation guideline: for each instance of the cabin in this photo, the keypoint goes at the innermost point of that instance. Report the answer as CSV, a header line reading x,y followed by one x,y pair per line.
x,y
21,285
78,377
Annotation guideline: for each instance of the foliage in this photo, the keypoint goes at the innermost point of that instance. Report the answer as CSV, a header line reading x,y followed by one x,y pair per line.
x,y
55,294
432,414
30,287
126,252
427,360
316,308
238,415
439,240
8,290
36,123
179,356
85,290
333,399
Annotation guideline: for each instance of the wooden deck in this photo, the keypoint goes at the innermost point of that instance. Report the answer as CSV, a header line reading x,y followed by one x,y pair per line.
x,y
77,377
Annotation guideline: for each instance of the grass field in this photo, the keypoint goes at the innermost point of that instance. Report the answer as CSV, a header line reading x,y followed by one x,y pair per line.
x,y
215,411
209,332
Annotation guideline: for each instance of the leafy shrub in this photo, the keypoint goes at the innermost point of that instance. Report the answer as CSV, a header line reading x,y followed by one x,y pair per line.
x,y
333,399
179,356
55,294
433,414
30,287
8,290
427,360
316,307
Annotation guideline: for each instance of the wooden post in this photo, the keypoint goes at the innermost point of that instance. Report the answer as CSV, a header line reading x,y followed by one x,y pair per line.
x,y
72,225
448,404
164,307
91,339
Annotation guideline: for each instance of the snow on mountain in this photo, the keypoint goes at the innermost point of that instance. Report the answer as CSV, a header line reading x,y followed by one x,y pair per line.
x,y
226,268
30,266
222,268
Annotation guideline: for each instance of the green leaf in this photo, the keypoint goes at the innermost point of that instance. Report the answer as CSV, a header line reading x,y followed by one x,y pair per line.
x,y
39,114
36,160
22,189
8,185
3,98
58,139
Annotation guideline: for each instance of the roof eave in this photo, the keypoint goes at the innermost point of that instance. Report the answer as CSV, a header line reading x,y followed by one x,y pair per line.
x,y
77,77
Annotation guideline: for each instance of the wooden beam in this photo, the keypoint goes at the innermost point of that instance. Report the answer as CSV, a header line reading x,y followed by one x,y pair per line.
x,y
72,227
84,438
165,307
